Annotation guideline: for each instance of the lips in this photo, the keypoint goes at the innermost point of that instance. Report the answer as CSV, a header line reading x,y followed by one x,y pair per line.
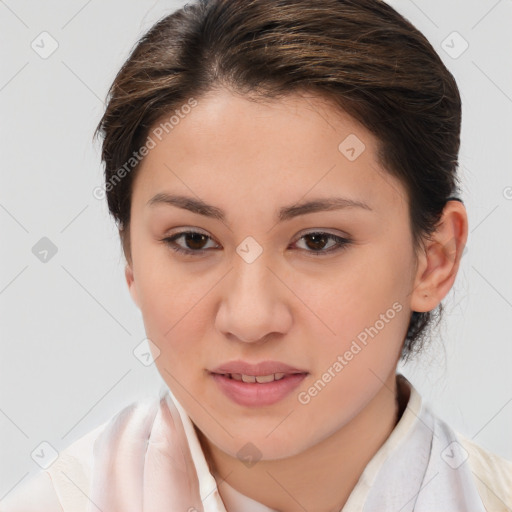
x,y
258,390
261,369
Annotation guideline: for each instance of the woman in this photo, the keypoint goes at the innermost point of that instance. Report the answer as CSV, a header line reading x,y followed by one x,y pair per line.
x,y
283,177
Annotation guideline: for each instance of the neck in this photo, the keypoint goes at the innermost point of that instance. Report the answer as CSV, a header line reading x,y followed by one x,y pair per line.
x,y
322,477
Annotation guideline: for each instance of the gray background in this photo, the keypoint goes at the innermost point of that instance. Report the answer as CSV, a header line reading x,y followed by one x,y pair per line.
x,y
68,325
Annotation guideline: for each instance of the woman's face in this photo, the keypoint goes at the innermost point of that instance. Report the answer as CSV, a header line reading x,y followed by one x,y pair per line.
x,y
265,287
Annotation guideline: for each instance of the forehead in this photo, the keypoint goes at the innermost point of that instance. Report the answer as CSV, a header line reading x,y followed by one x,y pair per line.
x,y
272,151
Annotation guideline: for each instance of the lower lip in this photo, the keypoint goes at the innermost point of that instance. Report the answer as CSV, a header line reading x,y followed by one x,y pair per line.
x,y
254,394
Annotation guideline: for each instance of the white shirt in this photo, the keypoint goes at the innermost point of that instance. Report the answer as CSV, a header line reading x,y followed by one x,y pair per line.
x,y
422,465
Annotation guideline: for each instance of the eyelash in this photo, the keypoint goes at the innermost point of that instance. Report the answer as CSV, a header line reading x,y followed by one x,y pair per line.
x,y
341,241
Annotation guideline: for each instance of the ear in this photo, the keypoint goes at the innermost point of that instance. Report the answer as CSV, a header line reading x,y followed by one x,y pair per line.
x,y
438,262
130,281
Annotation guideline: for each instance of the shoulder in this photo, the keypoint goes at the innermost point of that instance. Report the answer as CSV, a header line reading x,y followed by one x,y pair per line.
x,y
58,488
34,495
65,485
492,473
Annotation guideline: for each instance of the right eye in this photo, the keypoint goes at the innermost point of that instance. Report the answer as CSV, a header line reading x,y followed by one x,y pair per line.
x,y
191,238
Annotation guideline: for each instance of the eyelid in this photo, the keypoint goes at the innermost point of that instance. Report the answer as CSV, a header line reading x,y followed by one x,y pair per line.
x,y
189,229
308,231
324,231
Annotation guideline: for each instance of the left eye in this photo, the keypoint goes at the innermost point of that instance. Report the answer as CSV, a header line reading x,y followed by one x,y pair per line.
x,y
316,239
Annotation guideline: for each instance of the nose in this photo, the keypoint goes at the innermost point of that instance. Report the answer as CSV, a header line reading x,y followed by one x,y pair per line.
x,y
254,303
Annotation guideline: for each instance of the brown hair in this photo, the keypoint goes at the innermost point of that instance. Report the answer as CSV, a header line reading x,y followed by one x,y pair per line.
x,y
361,54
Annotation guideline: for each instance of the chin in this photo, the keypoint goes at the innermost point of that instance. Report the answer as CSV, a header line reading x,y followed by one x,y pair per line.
x,y
263,448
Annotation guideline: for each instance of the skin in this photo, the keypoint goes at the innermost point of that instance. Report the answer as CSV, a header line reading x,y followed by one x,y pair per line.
x,y
250,159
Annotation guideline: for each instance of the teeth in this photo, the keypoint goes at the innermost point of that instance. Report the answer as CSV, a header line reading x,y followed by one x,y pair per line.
x,y
260,378
265,378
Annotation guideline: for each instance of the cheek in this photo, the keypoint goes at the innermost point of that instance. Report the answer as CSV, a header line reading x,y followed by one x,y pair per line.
x,y
353,294
360,310
172,303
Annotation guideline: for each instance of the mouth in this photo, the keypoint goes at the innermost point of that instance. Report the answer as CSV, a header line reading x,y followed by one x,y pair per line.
x,y
260,379
257,390
265,370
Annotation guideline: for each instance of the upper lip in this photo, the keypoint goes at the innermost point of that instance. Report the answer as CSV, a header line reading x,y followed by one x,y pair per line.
x,y
257,369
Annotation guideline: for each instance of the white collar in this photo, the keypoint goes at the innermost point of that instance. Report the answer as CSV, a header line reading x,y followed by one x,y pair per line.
x,y
149,457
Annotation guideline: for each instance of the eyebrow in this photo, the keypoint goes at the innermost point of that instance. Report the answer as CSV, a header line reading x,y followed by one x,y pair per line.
x,y
285,213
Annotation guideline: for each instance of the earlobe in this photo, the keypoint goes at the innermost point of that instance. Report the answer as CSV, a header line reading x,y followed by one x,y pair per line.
x,y
130,281
439,263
